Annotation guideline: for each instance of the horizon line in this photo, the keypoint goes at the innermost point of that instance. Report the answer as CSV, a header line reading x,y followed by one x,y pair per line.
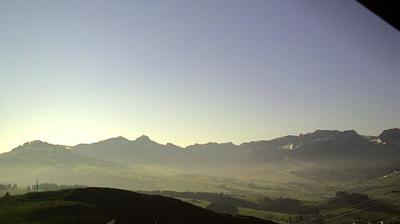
x,y
210,142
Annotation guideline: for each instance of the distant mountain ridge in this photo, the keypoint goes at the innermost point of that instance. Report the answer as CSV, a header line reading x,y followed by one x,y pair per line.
x,y
321,144
390,135
318,145
320,154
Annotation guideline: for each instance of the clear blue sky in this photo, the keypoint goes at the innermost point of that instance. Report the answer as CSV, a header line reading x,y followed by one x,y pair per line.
x,y
193,71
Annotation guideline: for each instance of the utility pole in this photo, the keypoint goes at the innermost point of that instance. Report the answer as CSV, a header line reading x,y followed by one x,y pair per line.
x,y
37,186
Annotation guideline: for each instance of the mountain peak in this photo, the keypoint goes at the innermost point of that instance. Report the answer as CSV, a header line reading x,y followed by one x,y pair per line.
x,y
36,143
121,138
118,139
393,132
391,136
143,138
332,134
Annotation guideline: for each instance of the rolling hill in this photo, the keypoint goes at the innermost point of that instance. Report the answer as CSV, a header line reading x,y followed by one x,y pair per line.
x,y
105,205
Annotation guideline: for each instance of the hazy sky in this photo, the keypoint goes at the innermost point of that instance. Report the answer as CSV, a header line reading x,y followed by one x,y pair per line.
x,y
193,71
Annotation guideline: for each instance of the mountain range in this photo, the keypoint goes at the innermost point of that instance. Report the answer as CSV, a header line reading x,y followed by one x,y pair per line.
x,y
321,145
322,156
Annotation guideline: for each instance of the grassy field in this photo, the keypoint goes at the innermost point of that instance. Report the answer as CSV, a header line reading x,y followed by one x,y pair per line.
x,y
267,215
200,203
32,212
330,216
101,205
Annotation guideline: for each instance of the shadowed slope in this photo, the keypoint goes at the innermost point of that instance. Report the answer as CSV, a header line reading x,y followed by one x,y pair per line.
x,y
99,205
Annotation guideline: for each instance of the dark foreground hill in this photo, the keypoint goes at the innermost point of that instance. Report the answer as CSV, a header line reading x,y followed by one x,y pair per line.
x,y
106,205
